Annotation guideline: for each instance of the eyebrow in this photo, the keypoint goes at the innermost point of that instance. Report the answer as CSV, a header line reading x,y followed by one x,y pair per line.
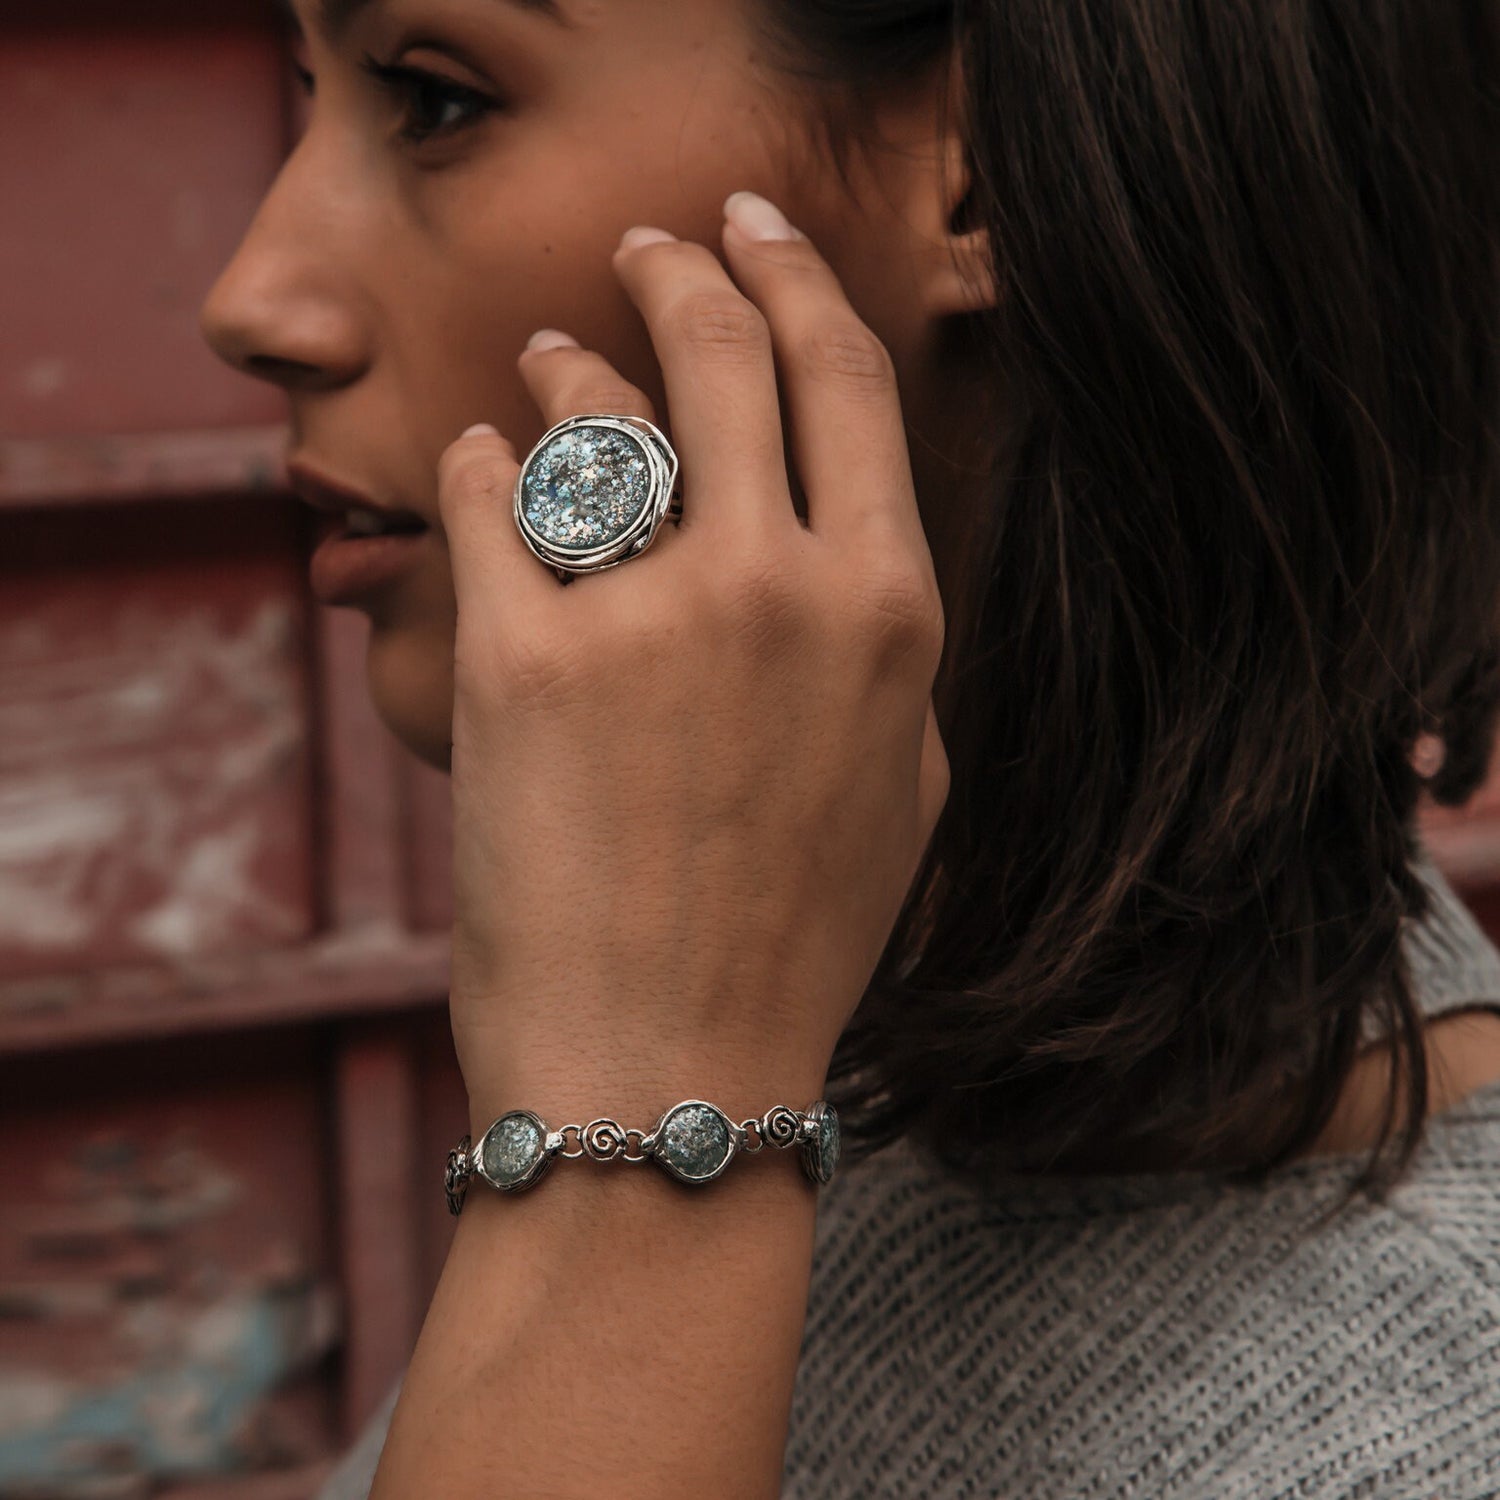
x,y
337,15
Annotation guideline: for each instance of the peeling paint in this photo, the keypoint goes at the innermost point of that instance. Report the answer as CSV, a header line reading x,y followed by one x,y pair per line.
x,y
188,1416
136,780
186,1313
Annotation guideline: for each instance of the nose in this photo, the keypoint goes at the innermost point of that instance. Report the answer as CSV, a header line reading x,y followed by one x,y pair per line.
x,y
287,308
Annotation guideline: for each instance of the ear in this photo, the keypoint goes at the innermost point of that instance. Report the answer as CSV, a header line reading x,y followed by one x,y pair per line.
x,y
960,276
955,268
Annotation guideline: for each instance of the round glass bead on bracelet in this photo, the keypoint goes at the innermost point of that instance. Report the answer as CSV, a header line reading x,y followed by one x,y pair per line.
x,y
693,1141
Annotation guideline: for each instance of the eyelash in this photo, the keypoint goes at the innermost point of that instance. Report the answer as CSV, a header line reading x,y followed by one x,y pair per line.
x,y
413,88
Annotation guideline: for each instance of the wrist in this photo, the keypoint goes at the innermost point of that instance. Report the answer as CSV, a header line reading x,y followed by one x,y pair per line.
x,y
633,1084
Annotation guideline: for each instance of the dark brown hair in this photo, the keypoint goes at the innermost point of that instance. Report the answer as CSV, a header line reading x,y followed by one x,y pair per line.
x,y
1243,548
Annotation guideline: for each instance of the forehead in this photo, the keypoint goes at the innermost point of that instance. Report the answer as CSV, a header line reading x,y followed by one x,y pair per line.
x,y
334,16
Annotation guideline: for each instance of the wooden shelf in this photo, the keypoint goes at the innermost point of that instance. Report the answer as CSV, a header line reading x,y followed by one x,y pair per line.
x,y
90,470
360,972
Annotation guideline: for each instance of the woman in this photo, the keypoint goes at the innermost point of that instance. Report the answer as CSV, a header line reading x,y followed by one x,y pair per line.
x,y
1135,364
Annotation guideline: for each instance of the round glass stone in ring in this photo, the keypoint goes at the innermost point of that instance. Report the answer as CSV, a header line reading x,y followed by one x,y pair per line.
x,y
586,488
693,1141
512,1149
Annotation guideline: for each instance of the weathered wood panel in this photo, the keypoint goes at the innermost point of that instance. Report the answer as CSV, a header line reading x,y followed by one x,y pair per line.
x,y
135,143
217,1233
167,1300
154,744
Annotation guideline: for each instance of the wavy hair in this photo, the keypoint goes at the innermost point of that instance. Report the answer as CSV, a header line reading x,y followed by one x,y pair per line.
x,y
1241,550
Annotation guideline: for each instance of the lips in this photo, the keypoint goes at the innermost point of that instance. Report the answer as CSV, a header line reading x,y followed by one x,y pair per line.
x,y
362,548
363,515
363,521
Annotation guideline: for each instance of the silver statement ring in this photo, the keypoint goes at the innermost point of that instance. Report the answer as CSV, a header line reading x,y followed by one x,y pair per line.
x,y
595,491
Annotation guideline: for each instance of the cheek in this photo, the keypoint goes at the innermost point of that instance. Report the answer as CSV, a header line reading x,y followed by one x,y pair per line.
x,y
495,277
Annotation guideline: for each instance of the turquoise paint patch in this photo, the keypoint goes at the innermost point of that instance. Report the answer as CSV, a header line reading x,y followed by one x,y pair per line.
x,y
179,1422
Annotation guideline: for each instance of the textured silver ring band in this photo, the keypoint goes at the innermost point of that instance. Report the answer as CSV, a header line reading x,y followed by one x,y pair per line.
x,y
594,492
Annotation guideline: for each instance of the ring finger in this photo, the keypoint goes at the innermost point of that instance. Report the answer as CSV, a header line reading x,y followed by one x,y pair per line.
x,y
567,381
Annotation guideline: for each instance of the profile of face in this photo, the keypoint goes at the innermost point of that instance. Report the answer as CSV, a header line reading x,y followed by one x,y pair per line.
x,y
466,171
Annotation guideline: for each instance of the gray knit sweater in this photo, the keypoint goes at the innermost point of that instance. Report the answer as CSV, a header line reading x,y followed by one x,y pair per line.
x,y
1162,1335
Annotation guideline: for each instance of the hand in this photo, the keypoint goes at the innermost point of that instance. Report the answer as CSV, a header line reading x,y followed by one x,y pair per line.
x,y
690,793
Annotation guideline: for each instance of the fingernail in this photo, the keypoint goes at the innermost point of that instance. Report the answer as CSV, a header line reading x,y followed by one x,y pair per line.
x,y
643,234
758,218
480,429
551,338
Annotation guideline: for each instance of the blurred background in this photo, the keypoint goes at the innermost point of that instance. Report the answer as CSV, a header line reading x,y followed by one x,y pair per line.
x,y
226,1082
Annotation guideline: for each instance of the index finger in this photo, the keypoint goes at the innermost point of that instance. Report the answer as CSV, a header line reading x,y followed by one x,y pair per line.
x,y
476,498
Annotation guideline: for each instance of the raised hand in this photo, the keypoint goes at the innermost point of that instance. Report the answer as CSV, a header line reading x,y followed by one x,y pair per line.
x,y
690,793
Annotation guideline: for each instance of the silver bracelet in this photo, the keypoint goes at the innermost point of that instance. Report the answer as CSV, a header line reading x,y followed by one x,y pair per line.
x,y
693,1141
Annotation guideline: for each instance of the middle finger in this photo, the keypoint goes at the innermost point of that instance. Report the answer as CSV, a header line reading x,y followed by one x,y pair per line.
x,y
714,347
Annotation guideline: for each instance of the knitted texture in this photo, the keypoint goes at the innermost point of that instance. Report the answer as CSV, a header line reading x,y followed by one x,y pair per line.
x,y
1161,1335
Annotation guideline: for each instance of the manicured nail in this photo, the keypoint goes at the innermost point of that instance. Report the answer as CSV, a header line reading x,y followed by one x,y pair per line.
x,y
551,338
643,234
480,429
759,219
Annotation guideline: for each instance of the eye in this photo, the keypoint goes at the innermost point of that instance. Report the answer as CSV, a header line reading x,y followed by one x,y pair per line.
x,y
305,80
431,105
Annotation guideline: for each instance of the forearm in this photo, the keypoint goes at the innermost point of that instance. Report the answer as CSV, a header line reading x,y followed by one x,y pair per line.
x,y
610,1332
686,817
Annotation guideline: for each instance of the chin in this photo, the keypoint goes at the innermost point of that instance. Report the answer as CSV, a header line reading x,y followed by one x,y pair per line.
x,y
410,680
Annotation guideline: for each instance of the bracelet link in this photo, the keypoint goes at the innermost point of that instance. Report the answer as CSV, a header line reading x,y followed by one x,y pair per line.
x,y
456,1176
693,1141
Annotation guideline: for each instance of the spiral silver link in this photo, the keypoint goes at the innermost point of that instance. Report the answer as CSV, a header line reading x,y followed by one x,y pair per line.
x,y
604,1139
781,1126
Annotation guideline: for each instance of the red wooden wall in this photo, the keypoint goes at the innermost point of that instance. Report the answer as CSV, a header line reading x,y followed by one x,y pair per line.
x,y
226,1086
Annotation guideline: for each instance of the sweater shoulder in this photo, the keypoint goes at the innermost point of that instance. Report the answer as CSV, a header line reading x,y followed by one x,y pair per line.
x,y
1171,1336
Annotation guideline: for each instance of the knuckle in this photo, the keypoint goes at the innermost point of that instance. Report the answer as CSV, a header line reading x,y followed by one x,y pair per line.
x,y
849,355
476,479
721,326
899,602
507,669
533,667
764,605
616,398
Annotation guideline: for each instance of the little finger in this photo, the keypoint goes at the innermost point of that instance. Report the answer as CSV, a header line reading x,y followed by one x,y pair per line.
x,y
848,432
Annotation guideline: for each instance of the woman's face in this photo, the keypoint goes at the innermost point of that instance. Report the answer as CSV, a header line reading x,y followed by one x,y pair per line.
x,y
467,169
